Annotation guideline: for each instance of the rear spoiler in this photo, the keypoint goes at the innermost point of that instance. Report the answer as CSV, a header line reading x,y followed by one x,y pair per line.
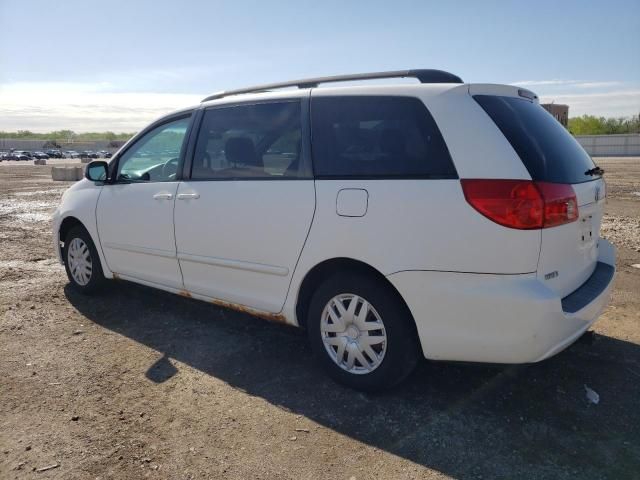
x,y
502,91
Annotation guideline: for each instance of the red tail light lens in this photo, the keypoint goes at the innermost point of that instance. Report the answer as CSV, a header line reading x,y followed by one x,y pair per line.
x,y
512,203
560,203
522,204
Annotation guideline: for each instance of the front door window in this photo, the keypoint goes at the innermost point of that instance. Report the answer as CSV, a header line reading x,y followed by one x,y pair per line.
x,y
155,157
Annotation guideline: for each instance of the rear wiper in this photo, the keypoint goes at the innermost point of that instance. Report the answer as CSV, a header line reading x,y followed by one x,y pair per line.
x,y
594,171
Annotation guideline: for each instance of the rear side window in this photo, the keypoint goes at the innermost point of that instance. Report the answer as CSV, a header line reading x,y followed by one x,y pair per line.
x,y
377,137
546,148
254,141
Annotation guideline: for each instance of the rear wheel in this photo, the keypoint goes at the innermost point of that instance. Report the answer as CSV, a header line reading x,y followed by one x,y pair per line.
x,y
361,332
82,262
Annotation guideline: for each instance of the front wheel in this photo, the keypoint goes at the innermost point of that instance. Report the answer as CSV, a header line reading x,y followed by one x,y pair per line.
x,y
82,262
361,332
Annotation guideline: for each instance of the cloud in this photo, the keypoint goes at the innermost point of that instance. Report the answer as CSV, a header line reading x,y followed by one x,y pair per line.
x,y
45,106
597,84
615,103
609,98
96,106
534,83
571,83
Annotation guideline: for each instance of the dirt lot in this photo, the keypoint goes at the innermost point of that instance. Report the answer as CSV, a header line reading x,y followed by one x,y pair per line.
x,y
138,383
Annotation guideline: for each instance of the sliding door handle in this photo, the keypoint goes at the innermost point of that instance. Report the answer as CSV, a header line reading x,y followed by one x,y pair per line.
x,y
163,196
188,196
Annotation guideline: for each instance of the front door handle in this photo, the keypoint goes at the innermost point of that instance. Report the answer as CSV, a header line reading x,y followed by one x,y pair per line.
x,y
163,196
188,196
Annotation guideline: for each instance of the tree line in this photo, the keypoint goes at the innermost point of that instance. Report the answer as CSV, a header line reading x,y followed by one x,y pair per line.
x,y
584,125
66,136
592,125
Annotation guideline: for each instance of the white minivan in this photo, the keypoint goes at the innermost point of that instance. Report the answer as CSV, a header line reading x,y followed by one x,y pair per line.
x,y
440,219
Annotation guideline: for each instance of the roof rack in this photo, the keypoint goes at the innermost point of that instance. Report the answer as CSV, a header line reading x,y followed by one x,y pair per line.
x,y
424,75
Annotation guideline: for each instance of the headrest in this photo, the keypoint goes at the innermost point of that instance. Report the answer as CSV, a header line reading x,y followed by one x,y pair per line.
x,y
241,150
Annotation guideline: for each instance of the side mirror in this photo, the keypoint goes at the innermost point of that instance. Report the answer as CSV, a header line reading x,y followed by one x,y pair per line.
x,y
97,171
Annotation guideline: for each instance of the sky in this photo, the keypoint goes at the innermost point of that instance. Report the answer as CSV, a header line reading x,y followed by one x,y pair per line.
x,y
91,65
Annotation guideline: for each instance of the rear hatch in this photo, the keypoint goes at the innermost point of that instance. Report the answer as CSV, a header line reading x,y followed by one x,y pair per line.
x,y
568,252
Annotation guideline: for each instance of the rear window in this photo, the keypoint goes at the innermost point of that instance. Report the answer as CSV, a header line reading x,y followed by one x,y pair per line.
x,y
546,148
377,137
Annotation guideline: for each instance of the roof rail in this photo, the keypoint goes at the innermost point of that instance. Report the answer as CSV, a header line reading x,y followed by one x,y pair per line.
x,y
424,75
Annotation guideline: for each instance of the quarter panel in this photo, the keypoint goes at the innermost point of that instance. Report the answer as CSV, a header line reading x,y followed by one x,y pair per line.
x,y
416,225
483,318
478,148
426,224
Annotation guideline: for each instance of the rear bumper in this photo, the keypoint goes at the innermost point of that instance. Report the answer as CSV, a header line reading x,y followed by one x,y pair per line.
x,y
501,318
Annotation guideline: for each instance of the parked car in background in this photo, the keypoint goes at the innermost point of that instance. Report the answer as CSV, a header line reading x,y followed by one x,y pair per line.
x,y
71,154
55,153
17,156
442,220
40,155
88,154
108,155
24,153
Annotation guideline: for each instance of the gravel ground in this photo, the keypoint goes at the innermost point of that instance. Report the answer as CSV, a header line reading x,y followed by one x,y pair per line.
x,y
138,383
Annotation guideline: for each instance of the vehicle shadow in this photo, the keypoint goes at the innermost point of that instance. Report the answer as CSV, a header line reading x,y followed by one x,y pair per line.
x,y
465,421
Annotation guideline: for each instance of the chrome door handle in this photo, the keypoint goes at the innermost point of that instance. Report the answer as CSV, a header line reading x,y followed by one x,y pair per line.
x,y
188,196
163,196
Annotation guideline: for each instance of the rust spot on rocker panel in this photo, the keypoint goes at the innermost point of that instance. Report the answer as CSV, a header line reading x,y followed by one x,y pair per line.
x,y
184,293
115,276
271,317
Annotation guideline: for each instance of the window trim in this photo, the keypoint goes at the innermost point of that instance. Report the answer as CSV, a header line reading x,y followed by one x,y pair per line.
x,y
388,177
305,131
115,161
453,176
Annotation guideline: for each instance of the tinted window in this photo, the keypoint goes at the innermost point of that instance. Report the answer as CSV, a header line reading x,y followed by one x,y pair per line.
x,y
260,141
155,156
546,148
373,136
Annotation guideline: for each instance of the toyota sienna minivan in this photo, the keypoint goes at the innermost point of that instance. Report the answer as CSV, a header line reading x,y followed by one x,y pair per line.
x,y
440,219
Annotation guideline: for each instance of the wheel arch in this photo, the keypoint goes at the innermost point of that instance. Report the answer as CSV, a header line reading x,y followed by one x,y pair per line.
x,y
67,224
324,270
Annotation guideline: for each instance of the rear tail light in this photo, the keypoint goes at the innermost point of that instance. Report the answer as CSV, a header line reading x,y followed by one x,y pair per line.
x,y
560,203
522,204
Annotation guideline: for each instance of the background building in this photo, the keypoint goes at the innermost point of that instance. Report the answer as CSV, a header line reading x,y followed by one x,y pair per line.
x,y
561,112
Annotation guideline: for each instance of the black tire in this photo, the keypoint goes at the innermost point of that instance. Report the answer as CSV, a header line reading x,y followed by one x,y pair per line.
x,y
402,348
96,278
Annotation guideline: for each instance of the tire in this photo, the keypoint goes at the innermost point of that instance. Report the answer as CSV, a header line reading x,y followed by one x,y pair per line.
x,y
395,357
82,279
